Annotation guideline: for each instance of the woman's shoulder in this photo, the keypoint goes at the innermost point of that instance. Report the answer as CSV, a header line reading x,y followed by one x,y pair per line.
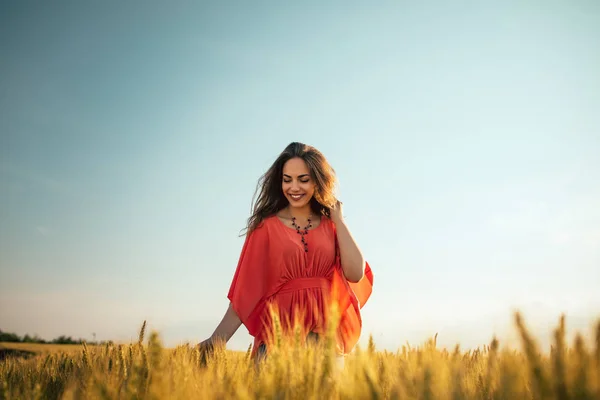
x,y
269,221
263,227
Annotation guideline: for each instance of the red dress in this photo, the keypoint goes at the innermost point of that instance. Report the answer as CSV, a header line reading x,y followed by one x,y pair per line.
x,y
274,268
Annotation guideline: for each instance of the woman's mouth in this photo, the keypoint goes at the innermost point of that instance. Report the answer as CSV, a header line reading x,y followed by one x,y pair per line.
x,y
296,197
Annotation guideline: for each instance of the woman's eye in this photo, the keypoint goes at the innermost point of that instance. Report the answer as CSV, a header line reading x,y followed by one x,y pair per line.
x,y
301,181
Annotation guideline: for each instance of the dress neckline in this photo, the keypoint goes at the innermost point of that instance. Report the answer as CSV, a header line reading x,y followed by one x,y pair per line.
x,y
294,229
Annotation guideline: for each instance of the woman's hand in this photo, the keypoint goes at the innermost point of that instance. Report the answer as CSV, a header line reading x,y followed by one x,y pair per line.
x,y
336,212
206,349
206,345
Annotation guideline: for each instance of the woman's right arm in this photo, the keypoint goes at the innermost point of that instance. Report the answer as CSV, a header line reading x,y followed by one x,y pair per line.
x,y
227,327
248,285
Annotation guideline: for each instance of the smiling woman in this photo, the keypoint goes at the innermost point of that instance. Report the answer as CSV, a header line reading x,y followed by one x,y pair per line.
x,y
298,257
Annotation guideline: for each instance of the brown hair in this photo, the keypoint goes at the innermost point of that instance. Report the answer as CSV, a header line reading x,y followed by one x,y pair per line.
x,y
271,198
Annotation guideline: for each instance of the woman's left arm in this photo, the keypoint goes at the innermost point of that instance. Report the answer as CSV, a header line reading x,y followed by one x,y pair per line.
x,y
353,262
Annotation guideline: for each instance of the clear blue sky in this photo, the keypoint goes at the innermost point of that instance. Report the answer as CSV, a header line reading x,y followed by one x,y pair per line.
x,y
466,138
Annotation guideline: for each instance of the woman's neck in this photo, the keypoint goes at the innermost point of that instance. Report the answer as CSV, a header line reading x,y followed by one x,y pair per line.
x,y
300,213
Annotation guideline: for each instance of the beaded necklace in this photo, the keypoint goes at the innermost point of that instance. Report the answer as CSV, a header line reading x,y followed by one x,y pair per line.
x,y
302,233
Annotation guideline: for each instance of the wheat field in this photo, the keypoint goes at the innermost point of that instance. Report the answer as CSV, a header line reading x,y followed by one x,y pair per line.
x,y
148,370
42,348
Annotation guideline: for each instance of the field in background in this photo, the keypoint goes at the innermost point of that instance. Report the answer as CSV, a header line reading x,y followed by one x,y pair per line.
x,y
40,348
147,370
11,349
29,350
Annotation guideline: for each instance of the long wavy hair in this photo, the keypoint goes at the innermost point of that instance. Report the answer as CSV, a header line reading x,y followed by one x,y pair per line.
x,y
271,199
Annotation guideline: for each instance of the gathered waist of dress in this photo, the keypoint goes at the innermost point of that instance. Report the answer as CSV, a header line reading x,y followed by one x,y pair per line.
x,y
316,282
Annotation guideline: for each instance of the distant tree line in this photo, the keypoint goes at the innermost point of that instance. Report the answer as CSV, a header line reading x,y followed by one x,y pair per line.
x,y
14,338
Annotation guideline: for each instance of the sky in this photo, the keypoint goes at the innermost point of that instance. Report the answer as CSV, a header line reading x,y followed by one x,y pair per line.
x,y
465,136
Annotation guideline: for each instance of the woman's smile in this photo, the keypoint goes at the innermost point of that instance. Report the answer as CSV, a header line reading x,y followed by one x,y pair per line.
x,y
296,197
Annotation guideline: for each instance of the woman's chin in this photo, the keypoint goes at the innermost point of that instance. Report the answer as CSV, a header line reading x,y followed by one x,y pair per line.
x,y
298,204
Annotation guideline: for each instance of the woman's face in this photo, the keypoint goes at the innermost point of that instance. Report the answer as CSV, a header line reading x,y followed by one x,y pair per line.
x,y
297,184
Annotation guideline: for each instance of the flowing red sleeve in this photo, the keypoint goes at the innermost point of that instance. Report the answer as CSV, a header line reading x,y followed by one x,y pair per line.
x,y
363,288
251,280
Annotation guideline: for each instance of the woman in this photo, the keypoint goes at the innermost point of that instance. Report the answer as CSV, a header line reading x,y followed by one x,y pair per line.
x,y
298,257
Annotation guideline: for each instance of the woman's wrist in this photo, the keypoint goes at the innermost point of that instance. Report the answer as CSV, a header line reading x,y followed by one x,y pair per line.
x,y
337,220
